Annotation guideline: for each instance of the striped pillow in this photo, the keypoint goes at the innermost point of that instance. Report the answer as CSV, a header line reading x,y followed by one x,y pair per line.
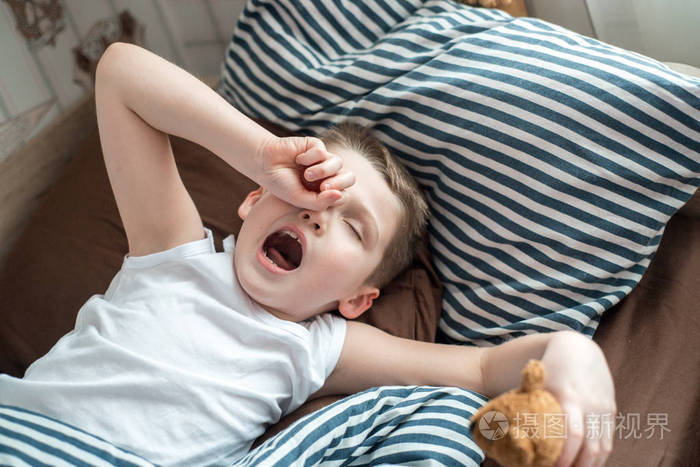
x,y
551,161
28,438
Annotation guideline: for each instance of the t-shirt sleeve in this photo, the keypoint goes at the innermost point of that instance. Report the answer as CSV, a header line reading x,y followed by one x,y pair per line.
x,y
328,336
186,250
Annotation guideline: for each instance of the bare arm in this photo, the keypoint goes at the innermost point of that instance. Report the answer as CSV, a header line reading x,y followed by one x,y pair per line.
x,y
371,357
172,101
141,98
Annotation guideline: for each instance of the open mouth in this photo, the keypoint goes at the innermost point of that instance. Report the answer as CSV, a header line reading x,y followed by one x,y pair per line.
x,y
283,249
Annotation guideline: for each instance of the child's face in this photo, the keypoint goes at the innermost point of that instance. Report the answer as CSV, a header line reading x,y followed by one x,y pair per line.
x,y
327,268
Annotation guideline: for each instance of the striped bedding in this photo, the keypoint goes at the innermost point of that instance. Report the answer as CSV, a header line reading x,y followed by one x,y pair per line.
x,y
389,425
551,161
28,438
380,426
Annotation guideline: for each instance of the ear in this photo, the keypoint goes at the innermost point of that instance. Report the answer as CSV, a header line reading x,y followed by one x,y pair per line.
x,y
353,307
249,202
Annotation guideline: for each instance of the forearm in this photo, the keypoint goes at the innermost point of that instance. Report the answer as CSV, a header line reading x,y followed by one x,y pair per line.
x,y
502,365
171,100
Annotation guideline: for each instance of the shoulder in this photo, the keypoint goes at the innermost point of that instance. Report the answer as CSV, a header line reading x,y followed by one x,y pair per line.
x,y
202,245
325,325
325,336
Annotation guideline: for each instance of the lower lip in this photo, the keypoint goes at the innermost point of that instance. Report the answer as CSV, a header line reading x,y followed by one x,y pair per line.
x,y
272,267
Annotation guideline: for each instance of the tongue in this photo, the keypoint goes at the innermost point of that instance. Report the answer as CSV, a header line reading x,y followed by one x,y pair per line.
x,y
283,250
278,259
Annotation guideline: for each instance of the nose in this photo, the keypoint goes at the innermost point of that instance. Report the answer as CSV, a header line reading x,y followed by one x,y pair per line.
x,y
317,220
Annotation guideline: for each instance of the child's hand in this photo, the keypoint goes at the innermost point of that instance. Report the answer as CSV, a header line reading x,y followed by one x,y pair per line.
x,y
579,377
280,160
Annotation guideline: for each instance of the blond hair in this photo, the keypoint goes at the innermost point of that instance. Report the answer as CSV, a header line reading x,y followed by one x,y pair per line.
x,y
413,219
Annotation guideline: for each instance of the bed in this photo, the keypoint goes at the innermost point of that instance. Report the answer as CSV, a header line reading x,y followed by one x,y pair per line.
x,y
584,158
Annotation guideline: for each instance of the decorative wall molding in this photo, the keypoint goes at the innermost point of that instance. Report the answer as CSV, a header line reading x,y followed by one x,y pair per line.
x,y
52,48
38,21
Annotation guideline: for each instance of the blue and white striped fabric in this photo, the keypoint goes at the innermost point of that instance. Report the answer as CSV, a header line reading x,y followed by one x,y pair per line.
x,y
390,425
551,161
28,438
381,426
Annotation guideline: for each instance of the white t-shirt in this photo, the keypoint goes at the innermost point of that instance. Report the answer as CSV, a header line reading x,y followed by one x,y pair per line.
x,y
176,363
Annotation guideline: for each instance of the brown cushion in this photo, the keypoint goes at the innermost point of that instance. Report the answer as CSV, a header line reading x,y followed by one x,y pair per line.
x,y
692,207
652,342
75,243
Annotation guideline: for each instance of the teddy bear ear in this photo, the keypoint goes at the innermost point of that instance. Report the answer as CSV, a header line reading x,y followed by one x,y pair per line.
x,y
534,375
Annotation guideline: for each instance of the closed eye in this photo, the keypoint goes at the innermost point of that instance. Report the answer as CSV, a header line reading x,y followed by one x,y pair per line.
x,y
357,234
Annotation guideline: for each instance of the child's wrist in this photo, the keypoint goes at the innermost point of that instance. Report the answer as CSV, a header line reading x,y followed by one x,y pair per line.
x,y
260,160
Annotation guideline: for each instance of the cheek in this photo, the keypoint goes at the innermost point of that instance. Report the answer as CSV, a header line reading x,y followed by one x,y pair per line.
x,y
246,240
345,263
261,216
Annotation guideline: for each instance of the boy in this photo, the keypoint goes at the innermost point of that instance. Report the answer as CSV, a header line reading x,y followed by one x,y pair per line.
x,y
190,353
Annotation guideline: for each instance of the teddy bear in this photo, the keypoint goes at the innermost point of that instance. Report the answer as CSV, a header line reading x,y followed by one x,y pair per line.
x,y
522,427
487,3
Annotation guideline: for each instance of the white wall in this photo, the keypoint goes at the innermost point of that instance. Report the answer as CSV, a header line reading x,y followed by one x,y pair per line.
x,y
191,33
571,14
665,30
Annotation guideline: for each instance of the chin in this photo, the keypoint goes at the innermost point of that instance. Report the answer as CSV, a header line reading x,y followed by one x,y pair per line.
x,y
280,303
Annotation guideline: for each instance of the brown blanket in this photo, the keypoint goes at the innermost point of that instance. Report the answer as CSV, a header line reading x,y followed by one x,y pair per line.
x,y
75,243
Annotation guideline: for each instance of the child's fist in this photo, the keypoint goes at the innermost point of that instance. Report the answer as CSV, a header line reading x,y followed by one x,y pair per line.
x,y
308,184
301,171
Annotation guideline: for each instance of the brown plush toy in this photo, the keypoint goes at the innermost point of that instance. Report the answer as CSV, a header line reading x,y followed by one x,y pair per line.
x,y
488,3
523,427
